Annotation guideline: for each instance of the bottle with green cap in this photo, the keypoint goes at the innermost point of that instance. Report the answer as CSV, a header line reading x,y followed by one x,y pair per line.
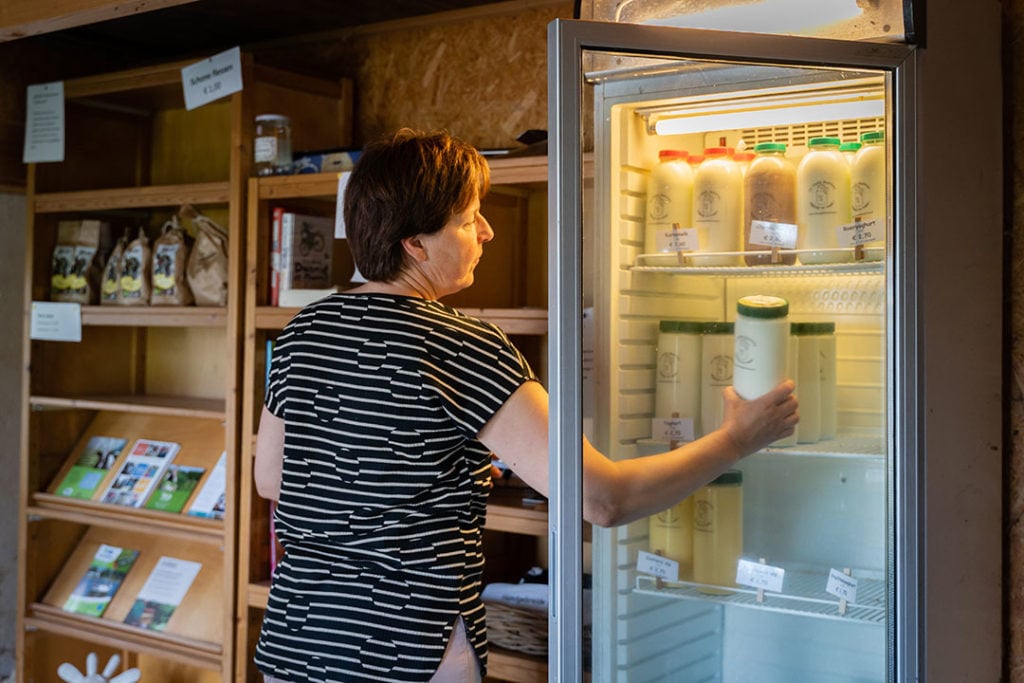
x,y
822,202
677,383
718,532
868,196
769,194
762,344
716,363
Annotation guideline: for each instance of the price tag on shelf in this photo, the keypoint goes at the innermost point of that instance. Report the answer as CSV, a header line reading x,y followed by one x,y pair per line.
x,y
656,565
842,585
56,321
677,239
769,234
44,123
760,576
861,232
211,79
339,214
672,429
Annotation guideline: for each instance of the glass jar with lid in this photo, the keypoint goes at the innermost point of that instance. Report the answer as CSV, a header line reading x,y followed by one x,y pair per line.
x,y
272,144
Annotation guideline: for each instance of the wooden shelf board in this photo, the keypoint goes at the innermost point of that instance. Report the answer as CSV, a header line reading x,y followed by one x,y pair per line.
x,y
257,594
510,320
114,634
94,513
507,513
133,197
155,316
300,185
158,405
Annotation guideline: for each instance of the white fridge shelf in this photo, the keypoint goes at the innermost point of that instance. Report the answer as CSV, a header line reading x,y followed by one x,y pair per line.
x,y
804,595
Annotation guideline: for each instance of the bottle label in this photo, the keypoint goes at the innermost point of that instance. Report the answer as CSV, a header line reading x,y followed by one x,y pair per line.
x,y
265,150
703,515
822,197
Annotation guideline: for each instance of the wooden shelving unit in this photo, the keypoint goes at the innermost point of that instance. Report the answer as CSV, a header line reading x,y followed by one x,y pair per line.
x,y
511,291
134,156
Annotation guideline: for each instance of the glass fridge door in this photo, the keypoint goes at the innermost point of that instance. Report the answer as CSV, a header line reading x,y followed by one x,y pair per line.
x,y
721,171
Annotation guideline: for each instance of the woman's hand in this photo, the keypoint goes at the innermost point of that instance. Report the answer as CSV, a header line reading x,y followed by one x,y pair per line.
x,y
757,423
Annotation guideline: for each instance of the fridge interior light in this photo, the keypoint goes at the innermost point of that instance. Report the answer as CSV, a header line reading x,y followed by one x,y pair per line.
x,y
767,109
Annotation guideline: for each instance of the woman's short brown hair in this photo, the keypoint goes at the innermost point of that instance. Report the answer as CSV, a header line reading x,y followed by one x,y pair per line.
x,y
408,184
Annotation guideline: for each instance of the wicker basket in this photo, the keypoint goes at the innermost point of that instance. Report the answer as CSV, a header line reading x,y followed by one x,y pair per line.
x,y
523,629
517,628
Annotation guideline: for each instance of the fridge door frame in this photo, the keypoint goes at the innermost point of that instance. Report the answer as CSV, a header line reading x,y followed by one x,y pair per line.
x,y
567,41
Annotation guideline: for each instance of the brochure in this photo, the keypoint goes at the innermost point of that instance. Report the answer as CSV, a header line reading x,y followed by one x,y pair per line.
x,y
209,502
102,579
162,593
85,476
177,484
140,472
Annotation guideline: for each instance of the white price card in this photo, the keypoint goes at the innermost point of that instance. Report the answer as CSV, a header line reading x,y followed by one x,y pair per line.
x,y
769,234
680,239
657,565
44,123
842,586
757,575
339,214
672,429
213,78
861,232
56,321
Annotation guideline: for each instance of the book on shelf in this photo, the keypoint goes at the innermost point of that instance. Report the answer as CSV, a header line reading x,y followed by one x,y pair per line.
x,y
93,464
141,470
301,252
210,500
303,297
163,591
97,587
175,487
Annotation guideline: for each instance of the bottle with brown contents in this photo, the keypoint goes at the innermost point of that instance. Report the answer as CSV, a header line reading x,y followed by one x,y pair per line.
x,y
769,195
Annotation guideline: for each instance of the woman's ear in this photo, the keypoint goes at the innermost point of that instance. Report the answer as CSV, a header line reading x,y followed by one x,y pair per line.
x,y
415,248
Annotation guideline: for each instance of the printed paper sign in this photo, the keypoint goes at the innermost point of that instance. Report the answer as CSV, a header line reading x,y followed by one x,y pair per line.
x,y
213,78
656,565
339,214
757,575
861,232
681,239
44,123
56,321
842,586
769,234
672,429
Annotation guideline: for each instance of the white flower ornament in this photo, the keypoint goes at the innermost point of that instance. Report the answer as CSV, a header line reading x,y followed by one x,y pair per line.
x,y
70,674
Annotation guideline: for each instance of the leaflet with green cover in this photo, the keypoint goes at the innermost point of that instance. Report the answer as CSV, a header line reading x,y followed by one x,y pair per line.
x,y
102,579
85,476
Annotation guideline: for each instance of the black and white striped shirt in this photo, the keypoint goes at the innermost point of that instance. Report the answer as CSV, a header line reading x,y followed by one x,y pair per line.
x,y
384,485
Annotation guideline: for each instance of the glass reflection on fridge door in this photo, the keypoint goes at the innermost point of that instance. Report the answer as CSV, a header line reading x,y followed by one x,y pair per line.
x,y
720,184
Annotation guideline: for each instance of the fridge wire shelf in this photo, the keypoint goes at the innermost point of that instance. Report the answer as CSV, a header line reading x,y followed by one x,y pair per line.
x,y
805,596
849,268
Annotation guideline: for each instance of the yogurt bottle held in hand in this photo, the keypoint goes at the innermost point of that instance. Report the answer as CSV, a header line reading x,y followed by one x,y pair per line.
x,y
762,344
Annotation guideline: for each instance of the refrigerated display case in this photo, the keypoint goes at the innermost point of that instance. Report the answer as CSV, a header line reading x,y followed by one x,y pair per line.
x,y
831,583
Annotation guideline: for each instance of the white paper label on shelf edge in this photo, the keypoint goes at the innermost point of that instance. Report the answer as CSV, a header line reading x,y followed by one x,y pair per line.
x,y
861,232
44,123
657,565
769,234
683,239
339,214
56,321
672,429
211,79
757,575
842,585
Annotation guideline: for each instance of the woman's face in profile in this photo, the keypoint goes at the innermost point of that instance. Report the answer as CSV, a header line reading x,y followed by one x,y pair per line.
x,y
454,250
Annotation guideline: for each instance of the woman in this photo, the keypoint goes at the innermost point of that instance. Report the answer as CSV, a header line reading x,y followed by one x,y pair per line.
x,y
382,410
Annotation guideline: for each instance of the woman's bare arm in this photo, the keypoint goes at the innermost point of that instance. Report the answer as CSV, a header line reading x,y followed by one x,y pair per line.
x,y
617,492
269,455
